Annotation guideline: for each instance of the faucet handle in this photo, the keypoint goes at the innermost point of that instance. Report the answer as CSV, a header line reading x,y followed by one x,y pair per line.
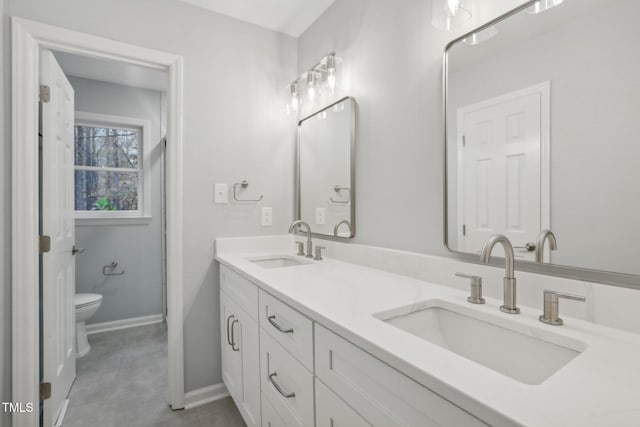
x,y
300,248
318,256
476,288
551,312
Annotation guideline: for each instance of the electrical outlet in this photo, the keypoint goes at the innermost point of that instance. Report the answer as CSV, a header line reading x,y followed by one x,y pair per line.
x,y
267,217
321,216
221,194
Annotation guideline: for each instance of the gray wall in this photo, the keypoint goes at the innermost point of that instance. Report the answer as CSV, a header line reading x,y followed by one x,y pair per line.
x,y
136,248
235,127
594,127
393,57
5,222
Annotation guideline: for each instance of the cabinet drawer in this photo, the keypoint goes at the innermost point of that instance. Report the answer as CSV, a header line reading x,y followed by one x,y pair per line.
x,y
291,329
273,418
379,393
240,289
331,411
286,384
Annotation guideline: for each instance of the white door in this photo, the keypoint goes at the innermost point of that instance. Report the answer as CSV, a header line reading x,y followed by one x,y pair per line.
x,y
58,268
501,170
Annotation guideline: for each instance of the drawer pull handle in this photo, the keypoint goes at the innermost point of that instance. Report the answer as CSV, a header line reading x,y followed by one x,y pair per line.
x,y
277,386
228,334
233,337
272,320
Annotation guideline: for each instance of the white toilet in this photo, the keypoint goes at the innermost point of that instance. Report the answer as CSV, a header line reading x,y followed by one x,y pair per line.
x,y
86,307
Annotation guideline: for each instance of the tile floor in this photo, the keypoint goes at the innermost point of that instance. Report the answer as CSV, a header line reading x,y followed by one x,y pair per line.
x,y
123,382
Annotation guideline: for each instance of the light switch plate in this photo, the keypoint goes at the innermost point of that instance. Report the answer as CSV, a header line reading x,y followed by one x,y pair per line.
x,y
221,194
267,217
321,216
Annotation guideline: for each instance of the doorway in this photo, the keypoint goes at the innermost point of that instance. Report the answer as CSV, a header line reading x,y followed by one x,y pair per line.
x,y
504,169
30,40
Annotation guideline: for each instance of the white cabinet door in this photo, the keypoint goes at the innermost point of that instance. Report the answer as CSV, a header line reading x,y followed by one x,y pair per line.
x,y
241,359
246,336
231,359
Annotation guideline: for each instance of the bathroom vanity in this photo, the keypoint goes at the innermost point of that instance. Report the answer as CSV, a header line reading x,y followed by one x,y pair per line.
x,y
332,343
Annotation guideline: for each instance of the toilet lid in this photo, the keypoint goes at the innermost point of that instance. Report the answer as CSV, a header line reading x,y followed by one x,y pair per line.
x,y
81,300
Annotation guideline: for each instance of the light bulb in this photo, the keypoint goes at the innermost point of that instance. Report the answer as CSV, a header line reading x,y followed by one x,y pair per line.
x,y
311,85
331,72
295,99
453,6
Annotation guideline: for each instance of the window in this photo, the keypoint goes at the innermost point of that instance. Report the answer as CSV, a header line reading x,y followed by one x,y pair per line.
x,y
111,171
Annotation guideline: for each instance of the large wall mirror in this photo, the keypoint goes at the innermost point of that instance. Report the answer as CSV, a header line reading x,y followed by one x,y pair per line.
x,y
543,132
326,170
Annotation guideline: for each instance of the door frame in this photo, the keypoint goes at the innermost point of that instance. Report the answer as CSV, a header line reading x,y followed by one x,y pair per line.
x,y
28,38
544,89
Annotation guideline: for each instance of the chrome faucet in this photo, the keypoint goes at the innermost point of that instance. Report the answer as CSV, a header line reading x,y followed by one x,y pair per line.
x,y
542,237
338,224
509,291
309,243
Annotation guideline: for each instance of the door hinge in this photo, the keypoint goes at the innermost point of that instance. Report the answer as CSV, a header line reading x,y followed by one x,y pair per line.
x,y
44,244
464,229
45,93
464,141
45,391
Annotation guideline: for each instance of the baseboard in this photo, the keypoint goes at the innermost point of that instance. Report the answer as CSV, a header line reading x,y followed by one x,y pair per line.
x,y
95,328
205,395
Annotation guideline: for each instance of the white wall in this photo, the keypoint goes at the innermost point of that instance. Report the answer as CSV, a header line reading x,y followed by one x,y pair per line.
x,y
135,247
234,129
594,127
393,59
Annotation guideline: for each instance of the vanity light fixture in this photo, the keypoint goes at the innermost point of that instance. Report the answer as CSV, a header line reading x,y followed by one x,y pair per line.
x,y
542,6
315,86
448,14
481,36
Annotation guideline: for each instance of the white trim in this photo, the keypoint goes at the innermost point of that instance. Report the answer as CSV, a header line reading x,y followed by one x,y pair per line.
x,y
121,220
143,170
205,395
28,38
115,325
544,89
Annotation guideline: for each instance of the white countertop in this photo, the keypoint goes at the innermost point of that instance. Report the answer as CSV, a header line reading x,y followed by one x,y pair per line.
x,y
600,387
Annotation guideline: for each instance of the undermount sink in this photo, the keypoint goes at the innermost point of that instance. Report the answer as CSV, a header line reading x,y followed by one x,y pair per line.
x,y
278,262
526,354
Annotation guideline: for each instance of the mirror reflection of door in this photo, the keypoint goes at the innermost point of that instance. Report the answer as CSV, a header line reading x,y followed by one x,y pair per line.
x,y
503,169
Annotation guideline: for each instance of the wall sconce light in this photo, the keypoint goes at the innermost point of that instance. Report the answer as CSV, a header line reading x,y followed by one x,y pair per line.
x,y
315,86
448,14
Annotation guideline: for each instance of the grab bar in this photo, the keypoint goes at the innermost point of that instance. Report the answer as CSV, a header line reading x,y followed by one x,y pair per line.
x,y
111,266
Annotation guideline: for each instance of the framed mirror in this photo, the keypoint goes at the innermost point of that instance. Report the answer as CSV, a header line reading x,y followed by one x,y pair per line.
x,y
541,133
326,184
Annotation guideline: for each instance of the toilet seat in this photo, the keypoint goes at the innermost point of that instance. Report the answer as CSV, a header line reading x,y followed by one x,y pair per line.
x,y
83,300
